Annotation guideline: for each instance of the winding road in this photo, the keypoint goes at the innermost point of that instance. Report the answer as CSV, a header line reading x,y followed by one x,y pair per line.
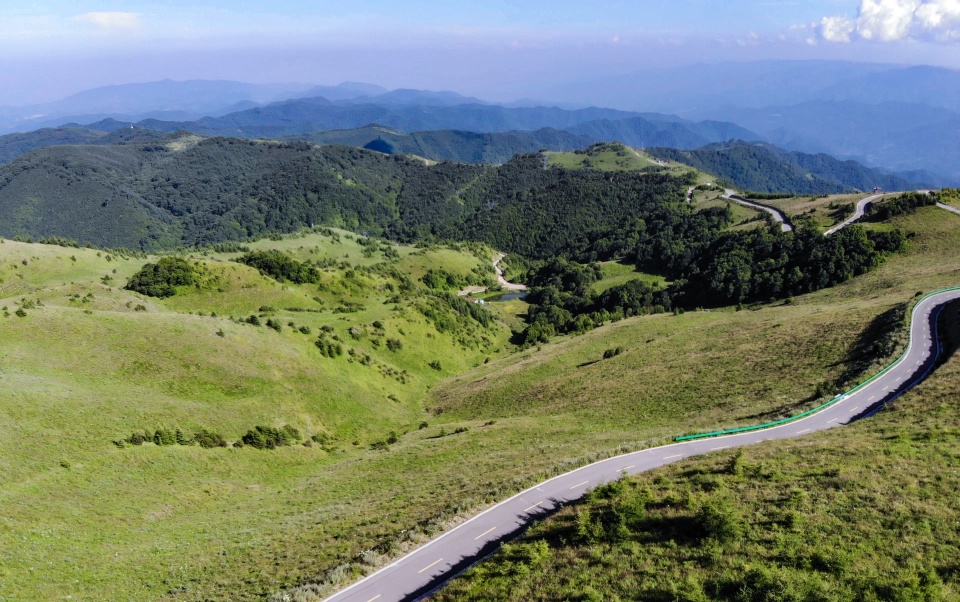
x,y
430,566
858,213
778,215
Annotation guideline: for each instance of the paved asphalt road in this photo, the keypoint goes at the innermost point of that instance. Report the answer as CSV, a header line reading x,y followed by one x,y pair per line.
x,y
776,213
861,206
431,565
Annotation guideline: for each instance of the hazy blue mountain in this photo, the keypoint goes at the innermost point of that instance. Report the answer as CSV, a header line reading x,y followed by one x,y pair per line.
x,y
166,100
687,90
419,97
343,91
306,115
111,132
897,136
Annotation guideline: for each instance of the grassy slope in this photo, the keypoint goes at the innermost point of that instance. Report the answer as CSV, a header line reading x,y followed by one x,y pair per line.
x,y
617,157
856,513
189,524
81,517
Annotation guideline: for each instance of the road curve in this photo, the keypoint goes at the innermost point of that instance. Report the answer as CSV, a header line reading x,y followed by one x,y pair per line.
x,y
778,215
504,283
857,214
431,565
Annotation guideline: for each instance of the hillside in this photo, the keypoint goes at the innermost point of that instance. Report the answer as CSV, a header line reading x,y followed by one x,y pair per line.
x,y
762,167
451,145
191,191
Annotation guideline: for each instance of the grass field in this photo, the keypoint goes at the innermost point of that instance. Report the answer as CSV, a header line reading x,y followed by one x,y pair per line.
x,y
618,157
80,517
615,273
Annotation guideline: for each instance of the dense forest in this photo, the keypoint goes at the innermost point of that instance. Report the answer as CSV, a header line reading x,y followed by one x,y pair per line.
x,y
711,268
187,191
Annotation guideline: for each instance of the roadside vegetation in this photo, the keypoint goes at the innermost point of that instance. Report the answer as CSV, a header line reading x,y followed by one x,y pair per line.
x,y
859,513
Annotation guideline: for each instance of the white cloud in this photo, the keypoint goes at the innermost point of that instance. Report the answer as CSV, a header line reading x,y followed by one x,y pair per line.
x,y
836,29
111,20
892,20
886,20
937,14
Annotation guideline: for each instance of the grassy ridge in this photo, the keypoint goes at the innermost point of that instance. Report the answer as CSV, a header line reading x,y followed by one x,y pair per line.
x,y
89,363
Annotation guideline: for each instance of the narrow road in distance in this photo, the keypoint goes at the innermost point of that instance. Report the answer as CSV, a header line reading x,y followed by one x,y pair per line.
x,y
430,566
778,215
858,212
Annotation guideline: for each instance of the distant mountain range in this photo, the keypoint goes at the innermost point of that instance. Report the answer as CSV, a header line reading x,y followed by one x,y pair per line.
x,y
899,136
896,118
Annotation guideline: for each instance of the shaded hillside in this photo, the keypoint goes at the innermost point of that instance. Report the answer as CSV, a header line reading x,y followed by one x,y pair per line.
x,y
112,132
765,168
452,145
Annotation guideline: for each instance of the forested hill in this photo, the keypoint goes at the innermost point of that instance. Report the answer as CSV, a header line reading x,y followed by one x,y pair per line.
x,y
763,167
186,190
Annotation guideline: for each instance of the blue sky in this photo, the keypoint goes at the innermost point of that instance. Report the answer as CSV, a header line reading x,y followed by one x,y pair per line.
x,y
497,49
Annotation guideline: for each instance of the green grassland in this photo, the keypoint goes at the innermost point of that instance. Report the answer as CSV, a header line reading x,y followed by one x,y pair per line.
x,y
618,157
743,217
89,363
615,273
81,517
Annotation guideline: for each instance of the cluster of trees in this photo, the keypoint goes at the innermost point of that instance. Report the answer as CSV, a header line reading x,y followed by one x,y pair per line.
x,y
281,267
903,204
708,269
174,436
161,279
445,280
268,437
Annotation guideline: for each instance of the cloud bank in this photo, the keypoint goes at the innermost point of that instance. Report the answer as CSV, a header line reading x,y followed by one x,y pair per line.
x,y
894,20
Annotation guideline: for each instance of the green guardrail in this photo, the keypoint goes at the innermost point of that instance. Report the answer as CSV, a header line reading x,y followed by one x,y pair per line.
x,y
826,405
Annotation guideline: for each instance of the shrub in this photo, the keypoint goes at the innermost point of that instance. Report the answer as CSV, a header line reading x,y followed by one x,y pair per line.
x,y
281,267
266,437
161,279
435,364
208,439
394,345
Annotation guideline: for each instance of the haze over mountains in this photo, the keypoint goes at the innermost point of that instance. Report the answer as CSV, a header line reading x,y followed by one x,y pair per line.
x,y
899,119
